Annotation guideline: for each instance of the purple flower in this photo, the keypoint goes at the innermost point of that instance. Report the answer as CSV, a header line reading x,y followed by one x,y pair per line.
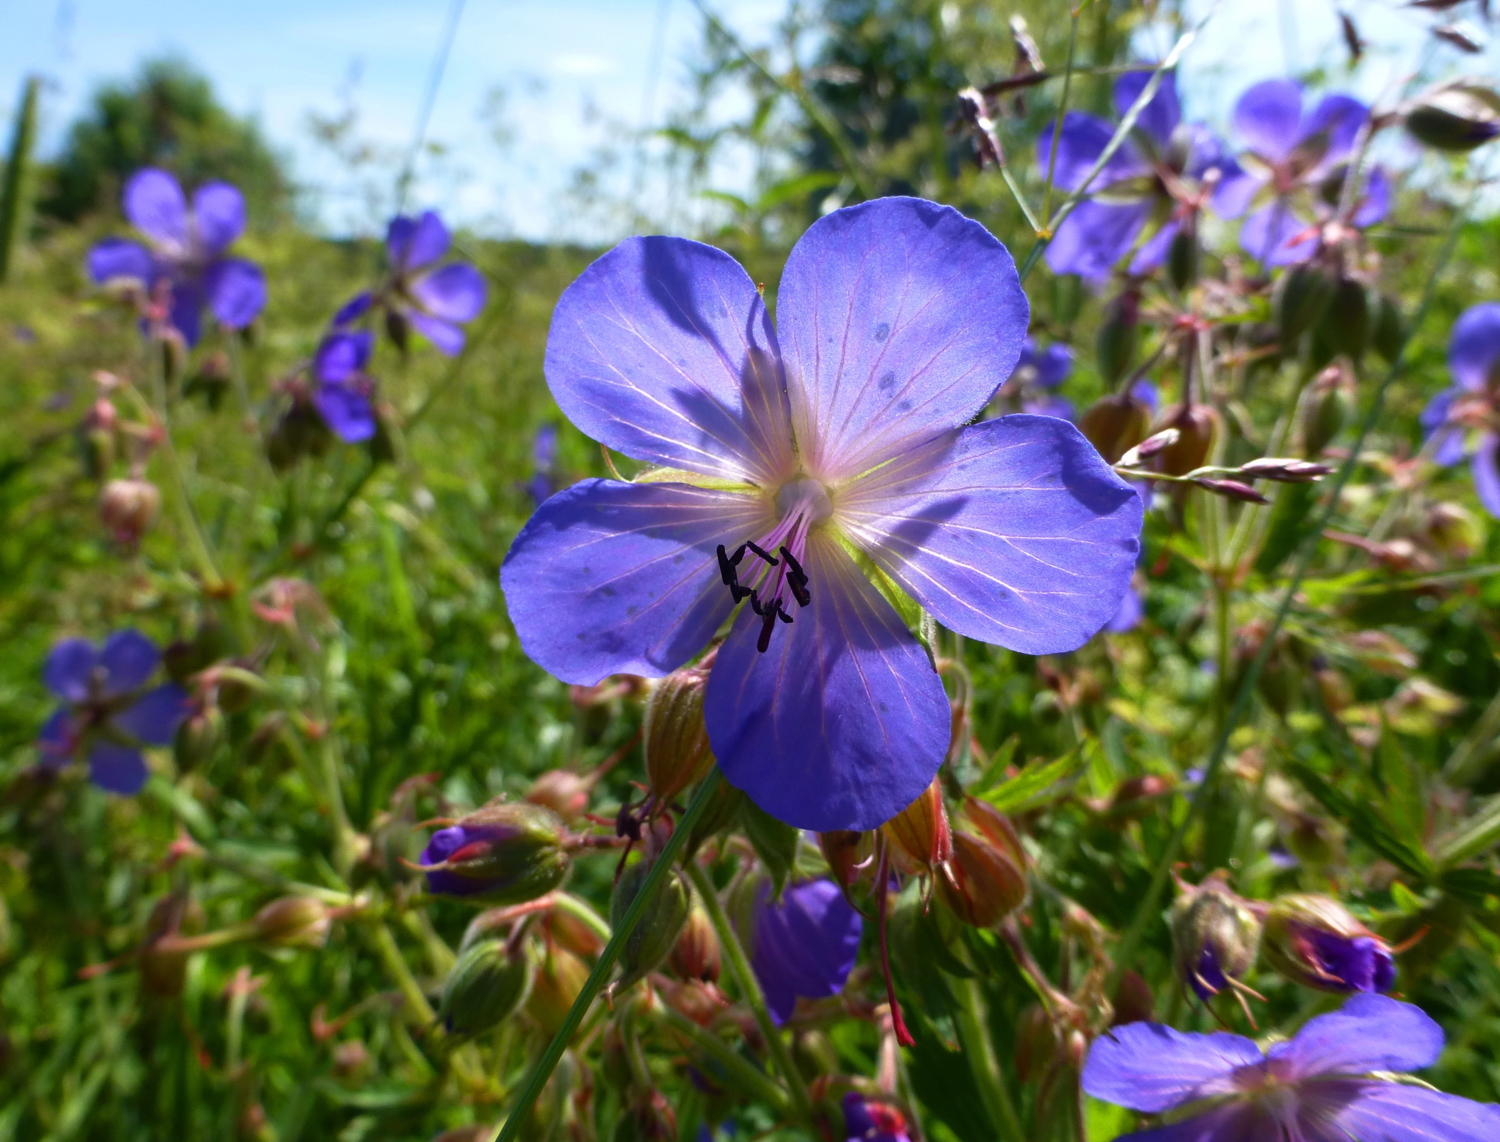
x,y
1151,185
107,715
1047,367
1293,159
440,847
187,252
1325,1085
804,945
1472,402
789,455
433,299
543,481
1128,617
868,1121
343,391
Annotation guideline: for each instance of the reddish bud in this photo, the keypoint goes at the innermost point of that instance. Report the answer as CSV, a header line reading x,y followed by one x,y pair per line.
x,y
1231,490
695,955
127,508
847,853
981,884
1115,424
293,921
1197,426
919,835
562,791
676,740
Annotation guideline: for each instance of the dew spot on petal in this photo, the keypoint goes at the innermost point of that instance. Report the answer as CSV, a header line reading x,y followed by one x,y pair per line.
x,y
903,406
882,331
888,382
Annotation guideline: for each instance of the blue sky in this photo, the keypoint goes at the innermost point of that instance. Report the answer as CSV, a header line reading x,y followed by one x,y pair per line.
x,y
282,59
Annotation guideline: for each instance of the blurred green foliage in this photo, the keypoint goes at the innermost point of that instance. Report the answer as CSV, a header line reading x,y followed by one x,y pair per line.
x,y
166,116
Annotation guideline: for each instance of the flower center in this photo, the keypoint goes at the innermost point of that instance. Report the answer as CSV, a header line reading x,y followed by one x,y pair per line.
x,y
768,578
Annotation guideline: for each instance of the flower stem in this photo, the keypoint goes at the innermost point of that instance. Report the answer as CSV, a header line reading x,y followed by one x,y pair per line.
x,y
749,1078
983,1063
1148,908
744,977
605,965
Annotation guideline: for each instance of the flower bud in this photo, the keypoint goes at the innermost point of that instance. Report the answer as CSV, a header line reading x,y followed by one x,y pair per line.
x,y
1037,1042
1336,692
981,884
164,973
1453,530
995,827
1182,257
1231,490
1133,1001
564,792
848,854
651,941
1197,426
505,854
1118,333
1317,942
1387,327
919,835
648,1118
1346,322
676,740
695,955
198,737
1455,116
722,811
1215,934
1284,470
127,508
1305,294
351,1060
1115,424
487,984
559,978
1325,408
293,921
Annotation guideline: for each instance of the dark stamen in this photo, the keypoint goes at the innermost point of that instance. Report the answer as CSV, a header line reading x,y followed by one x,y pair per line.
x,y
763,643
799,590
782,615
767,556
755,603
738,592
726,568
793,566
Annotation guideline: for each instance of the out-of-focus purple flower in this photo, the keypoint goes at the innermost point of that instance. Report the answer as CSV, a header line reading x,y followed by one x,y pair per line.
x,y
804,945
899,319
435,300
1327,1083
1315,941
1152,185
868,1120
543,481
187,251
107,713
1465,419
1047,367
343,387
1128,617
1295,161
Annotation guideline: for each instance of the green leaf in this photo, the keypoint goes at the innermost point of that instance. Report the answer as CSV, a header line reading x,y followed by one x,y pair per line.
x,y
774,842
995,770
1037,784
1290,525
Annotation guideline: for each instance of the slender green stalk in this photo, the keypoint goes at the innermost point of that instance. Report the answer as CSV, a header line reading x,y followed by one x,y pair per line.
x,y
744,977
1459,767
979,1051
1150,902
1062,108
740,1071
604,967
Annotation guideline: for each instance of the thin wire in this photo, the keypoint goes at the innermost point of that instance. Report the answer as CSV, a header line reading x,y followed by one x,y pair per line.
x,y
429,98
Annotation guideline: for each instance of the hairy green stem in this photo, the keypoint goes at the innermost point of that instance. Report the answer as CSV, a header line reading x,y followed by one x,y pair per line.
x,y
979,1051
744,977
605,965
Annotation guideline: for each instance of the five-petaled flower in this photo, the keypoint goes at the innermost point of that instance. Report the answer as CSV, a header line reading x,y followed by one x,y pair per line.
x,y
432,299
107,713
1332,1082
342,387
797,465
1294,166
1158,179
187,252
1470,409
803,944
